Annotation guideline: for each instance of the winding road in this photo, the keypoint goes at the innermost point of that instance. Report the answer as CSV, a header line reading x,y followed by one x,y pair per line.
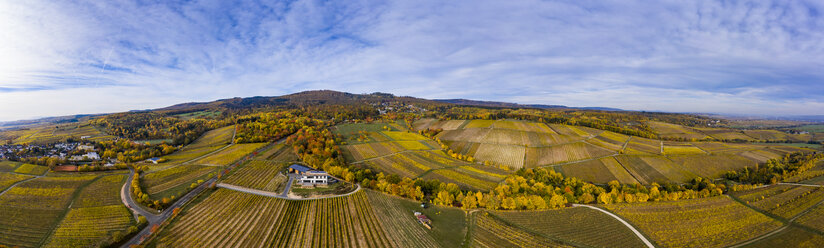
x,y
155,218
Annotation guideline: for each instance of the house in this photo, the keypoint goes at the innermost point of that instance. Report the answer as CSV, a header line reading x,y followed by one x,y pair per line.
x,y
154,160
85,147
310,176
315,177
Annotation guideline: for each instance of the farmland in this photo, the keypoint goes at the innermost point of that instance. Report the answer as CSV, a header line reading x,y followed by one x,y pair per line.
x,y
32,169
45,134
8,179
814,218
601,156
489,231
260,175
31,210
706,222
8,166
790,237
208,142
230,154
227,218
580,226
395,214
412,155
786,202
173,181
598,170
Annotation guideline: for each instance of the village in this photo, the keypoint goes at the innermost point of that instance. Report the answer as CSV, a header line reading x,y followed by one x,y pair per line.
x,y
59,153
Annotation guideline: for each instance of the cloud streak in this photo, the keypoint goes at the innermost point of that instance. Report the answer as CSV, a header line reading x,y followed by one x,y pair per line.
x,y
749,57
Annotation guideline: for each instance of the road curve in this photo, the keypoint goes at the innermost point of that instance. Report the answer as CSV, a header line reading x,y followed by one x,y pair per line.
x,y
631,228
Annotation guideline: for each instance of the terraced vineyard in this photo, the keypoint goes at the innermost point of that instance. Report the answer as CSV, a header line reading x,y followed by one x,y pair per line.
x,y
260,175
488,231
580,226
706,222
233,219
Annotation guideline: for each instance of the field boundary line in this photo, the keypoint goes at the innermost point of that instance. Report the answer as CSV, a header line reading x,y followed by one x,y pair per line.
x,y
631,228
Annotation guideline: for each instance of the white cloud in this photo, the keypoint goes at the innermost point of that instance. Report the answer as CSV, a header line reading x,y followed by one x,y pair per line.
x,y
742,57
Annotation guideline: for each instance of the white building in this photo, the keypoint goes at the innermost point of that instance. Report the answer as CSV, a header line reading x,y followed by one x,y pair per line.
x,y
314,178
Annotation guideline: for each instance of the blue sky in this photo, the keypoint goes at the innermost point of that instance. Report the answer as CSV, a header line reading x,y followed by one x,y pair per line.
x,y
743,57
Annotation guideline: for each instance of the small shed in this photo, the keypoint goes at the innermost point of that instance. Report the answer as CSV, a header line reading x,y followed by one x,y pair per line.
x,y
299,169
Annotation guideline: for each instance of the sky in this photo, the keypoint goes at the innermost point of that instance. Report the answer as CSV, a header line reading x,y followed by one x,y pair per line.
x,y
731,57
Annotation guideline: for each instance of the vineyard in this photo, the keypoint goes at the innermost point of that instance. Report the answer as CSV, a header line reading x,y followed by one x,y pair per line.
x,y
599,170
790,237
8,166
31,169
47,134
230,155
489,231
233,219
706,222
403,230
786,201
580,226
173,180
85,227
814,218
208,142
31,210
536,157
649,169
8,179
260,175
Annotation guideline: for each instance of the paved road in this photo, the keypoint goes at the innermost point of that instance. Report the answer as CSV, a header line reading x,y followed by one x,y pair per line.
x,y
275,195
802,184
631,228
128,200
288,187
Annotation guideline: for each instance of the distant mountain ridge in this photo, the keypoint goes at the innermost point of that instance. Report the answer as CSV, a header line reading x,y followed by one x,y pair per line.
x,y
518,105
